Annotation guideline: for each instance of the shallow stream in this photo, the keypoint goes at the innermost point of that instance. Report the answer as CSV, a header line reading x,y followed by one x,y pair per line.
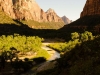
x,y
54,54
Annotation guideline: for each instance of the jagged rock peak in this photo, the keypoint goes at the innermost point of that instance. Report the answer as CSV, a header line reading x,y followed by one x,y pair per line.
x,y
52,16
66,20
92,7
50,10
27,10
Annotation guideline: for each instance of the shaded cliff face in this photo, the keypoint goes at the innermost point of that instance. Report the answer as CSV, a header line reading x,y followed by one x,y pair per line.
x,y
26,10
92,7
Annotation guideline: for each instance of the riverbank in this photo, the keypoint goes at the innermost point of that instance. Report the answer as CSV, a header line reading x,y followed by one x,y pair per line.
x,y
53,54
49,64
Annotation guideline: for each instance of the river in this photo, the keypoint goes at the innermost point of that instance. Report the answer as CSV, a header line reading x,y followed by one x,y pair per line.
x,y
54,54
46,65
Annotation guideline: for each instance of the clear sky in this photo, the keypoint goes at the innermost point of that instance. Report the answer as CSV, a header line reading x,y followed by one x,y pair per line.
x,y
69,8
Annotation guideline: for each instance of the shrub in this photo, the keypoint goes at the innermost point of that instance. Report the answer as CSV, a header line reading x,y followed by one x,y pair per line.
x,y
39,60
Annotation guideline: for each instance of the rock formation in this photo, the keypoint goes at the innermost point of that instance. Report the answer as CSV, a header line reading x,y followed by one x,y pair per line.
x,y
52,16
7,6
66,20
27,10
92,7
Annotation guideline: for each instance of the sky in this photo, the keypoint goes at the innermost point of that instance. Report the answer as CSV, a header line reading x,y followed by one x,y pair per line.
x,y
70,8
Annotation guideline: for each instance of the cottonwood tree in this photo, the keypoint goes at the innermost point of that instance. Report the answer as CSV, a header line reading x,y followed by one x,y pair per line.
x,y
75,35
86,36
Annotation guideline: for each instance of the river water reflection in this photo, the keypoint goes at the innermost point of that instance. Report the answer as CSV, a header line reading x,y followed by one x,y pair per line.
x,y
54,54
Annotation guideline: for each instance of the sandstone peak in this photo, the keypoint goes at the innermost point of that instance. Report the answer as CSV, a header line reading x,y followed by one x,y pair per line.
x,y
27,10
66,20
64,17
52,16
92,7
50,10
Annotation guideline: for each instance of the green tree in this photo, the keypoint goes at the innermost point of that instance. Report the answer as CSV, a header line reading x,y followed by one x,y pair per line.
x,y
86,36
74,35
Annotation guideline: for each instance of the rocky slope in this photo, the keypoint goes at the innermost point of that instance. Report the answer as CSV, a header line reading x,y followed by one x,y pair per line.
x,y
89,19
52,16
66,20
27,10
84,58
92,7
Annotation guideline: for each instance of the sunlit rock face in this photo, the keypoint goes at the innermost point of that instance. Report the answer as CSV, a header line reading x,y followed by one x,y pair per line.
x,y
92,7
27,10
66,20
52,16
7,6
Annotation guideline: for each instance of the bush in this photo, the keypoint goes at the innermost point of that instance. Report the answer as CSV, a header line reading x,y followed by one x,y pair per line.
x,y
39,60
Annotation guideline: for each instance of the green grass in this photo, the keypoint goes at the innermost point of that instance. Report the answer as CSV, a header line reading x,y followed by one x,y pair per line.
x,y
43,25
5,19
43,53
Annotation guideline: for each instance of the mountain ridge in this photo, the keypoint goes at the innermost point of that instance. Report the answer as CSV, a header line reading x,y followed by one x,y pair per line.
x,y
66,20
27,10
92,7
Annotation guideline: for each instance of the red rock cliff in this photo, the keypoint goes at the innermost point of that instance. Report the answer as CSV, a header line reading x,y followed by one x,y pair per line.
x,y
27,10
92,7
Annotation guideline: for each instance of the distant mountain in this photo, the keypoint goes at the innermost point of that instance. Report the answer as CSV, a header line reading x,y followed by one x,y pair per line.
x,y
52,16
27,10
89,19
66,20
